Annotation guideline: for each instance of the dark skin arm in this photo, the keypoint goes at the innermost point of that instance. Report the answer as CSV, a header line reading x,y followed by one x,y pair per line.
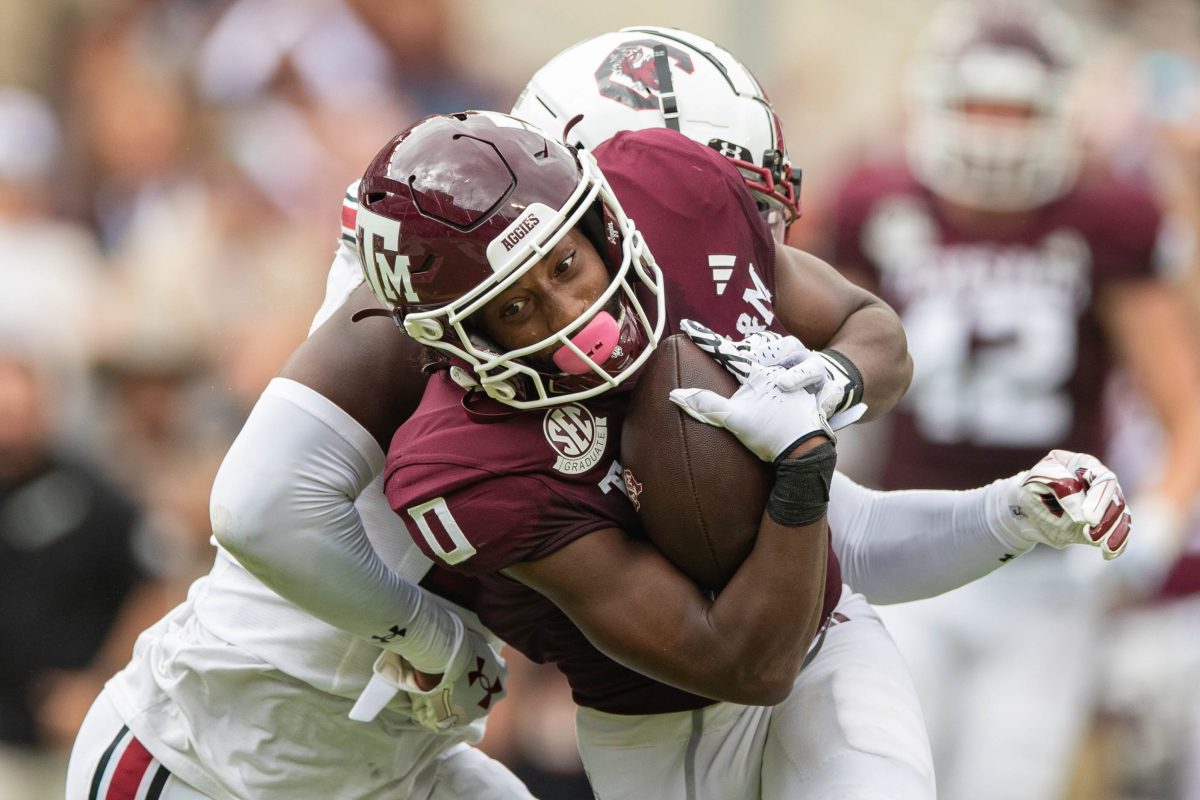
x,y
640,610
821,308
369,368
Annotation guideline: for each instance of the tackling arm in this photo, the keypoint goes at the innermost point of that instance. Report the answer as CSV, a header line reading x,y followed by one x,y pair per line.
x,y
899,546
908,545
283,506
283,503
824,310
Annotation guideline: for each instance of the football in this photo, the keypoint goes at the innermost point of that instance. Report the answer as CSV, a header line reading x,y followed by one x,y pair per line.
x,y
698,492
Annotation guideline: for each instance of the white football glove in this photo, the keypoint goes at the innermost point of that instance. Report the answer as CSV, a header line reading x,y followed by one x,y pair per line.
x,y
771,349
1072,498
469,689
770,413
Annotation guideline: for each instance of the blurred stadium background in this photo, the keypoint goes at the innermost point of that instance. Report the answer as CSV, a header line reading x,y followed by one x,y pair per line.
x,y
171,173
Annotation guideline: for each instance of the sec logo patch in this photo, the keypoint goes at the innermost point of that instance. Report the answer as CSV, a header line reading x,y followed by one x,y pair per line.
x,y
577,437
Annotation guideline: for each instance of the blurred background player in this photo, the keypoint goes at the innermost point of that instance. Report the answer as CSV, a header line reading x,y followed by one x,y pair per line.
x,y
1138,101
1021,279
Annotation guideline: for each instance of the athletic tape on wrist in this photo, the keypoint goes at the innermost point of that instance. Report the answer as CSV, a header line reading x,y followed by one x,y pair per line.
x,y
800,495
854,388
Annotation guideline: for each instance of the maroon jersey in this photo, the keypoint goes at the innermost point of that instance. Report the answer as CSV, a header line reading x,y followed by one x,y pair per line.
x,y
1009,356
479,496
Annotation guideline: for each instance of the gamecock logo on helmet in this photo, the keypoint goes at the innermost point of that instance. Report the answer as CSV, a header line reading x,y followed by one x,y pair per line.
x,y
628,74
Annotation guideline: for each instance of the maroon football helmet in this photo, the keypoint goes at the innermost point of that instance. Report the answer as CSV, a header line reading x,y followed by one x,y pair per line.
x,y
456,208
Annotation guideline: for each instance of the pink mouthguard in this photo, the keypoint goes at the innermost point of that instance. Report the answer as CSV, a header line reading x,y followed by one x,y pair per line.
x,y
596,340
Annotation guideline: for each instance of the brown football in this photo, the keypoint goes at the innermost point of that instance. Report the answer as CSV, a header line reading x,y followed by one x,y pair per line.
x,y
698,492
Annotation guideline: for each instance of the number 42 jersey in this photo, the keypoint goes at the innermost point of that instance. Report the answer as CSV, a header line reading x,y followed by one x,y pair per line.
x,y
1010,357
480,491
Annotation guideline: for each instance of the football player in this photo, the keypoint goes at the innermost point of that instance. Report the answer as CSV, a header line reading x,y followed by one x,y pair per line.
x,y
285,504
513,259
1021,279
606,84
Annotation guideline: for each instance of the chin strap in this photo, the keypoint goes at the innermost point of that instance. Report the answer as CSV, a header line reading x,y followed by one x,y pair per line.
x,y
571,123
666,89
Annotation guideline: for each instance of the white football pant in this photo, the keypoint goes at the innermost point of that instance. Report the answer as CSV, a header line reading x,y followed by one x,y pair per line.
x,y
851,729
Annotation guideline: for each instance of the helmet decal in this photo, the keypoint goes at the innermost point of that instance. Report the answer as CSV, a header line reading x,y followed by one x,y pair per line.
x,y
652,77
386,270
628,74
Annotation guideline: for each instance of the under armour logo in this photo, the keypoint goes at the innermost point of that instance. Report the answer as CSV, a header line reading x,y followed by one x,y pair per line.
x,y
395,631
489,686
729,149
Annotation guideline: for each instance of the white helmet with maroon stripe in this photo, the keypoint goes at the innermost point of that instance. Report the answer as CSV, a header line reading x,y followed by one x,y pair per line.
x,y
652,77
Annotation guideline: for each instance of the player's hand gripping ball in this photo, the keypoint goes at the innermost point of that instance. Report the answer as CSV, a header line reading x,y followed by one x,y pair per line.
x,y
699,493
820,371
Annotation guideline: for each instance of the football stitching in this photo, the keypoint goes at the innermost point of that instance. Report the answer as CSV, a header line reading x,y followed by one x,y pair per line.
x,y
687,460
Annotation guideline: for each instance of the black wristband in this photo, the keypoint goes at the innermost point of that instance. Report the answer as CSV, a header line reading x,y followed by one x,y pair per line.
x,y
854,391
800,494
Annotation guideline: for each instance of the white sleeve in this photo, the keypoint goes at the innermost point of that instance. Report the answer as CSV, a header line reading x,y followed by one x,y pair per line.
x,y
283,505
908,545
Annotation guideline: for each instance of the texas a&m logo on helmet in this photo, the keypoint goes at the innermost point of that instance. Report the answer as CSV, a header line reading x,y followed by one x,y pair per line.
x,y
386,270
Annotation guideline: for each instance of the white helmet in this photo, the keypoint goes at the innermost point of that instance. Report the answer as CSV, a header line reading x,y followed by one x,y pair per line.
x,y
999,53
651,77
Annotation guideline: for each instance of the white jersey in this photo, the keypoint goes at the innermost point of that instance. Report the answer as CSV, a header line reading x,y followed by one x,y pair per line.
x,y
219,682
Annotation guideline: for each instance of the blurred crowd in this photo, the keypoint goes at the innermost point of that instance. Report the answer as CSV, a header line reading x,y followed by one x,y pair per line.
x,y
170,178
